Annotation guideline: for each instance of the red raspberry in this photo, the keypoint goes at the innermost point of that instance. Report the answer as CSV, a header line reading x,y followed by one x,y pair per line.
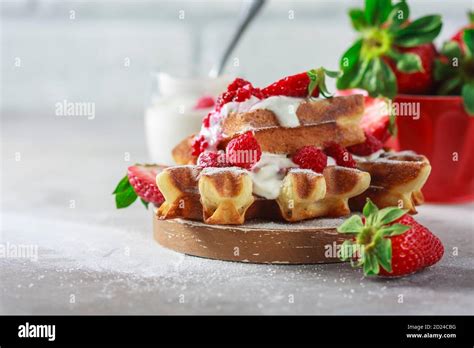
x,y
240,90
206,121
244,151
340,154
204,102
224,98
242,94
291,86
368,147
237,83
199,145
212,159
311,157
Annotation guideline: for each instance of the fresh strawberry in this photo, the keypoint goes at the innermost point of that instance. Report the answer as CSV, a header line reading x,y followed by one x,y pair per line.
x,y
417,245
243,151
416,82
340,154
391,54
212,159
291,86
389,242
310,157
140,181
368,147
204,102
454,69
458,37
305,84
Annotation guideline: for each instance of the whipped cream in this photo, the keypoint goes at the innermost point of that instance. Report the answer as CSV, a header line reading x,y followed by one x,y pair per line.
x,y
283,107
268,174
239,107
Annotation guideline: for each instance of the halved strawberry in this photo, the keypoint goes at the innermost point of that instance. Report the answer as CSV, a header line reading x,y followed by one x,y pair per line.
x,y
376,118
140,181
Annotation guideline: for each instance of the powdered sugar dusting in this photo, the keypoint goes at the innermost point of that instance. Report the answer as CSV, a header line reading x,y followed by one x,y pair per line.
x,y
218,170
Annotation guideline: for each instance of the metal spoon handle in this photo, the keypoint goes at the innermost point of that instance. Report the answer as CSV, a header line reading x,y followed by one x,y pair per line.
x,y
249,11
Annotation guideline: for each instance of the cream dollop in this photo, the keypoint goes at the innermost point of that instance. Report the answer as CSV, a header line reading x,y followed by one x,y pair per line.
x,y
268,173
283,107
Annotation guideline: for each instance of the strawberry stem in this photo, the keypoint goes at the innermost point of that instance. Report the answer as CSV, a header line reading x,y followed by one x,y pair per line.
x,y
371,237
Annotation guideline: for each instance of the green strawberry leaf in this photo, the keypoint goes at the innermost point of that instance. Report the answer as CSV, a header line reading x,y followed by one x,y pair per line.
x,y
394,230
468,97
399,15
332,74
451,49
145,203
122,185
124,193
125,198
370,210
317,78
373,238
349,66
468,38
313,81
390,82
352,225
377,11
383,251
451,86
406,62
358,19
347,79
389,214
421,31
350,58
371,265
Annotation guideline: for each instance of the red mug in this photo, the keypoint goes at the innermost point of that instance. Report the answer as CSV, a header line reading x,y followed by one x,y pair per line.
x,y
443,132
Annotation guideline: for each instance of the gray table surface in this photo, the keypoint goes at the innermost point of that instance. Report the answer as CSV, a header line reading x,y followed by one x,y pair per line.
x,y
93,259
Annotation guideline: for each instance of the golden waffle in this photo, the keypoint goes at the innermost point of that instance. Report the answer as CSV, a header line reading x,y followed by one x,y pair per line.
x,y
225,194
179,186
320,120
305,194
396,180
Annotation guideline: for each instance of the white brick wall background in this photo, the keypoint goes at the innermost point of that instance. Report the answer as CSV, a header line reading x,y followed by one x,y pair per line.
x,y
83,59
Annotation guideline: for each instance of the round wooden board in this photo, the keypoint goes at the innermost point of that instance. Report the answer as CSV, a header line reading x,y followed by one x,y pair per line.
x,y
308,242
